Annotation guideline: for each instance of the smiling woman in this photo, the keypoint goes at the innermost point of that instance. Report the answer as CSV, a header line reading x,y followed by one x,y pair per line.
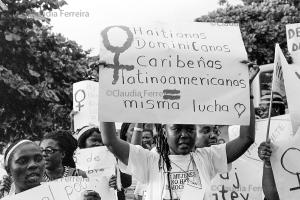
x,y
25,164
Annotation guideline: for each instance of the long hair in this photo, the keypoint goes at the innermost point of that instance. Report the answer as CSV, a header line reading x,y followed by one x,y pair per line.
x,y
163,150
67,143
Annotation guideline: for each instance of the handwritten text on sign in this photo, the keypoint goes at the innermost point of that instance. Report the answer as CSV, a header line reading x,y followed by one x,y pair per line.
x,y
68,188
293,41
163,73
96,161
239,183
85,102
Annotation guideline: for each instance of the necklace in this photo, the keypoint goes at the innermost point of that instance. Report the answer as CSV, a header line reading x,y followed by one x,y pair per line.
x,y
185,171
65,174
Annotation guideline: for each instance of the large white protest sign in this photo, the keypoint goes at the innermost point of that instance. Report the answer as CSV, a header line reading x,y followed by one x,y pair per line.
x,y
280,128
293,41
242,182
286,167
291,76
68,188
96,161
174,73
85,102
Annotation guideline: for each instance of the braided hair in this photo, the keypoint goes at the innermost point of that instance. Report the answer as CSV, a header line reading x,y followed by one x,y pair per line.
x,y
163,150
67,143
123,131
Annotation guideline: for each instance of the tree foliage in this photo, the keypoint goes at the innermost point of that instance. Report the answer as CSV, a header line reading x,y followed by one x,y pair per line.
x,y
262,25
37,70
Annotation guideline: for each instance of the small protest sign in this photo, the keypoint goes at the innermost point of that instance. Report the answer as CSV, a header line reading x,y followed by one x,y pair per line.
x,y
42,192
67,188
293,41
74,187
277,80
286,167
85,102
96,161
161,73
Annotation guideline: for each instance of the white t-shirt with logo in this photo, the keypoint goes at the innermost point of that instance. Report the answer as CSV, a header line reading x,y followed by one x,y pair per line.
x,y
198,167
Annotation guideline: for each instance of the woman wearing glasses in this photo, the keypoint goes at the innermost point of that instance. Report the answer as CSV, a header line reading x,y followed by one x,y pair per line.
x,y
58,149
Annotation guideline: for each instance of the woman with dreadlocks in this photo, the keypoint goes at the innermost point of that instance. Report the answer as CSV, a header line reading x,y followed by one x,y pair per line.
x,y
177,170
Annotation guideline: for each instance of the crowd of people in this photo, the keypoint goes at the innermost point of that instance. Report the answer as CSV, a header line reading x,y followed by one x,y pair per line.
x,y
150,156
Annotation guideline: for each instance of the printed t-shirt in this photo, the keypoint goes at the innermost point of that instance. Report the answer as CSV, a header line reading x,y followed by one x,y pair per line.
x,y
199,167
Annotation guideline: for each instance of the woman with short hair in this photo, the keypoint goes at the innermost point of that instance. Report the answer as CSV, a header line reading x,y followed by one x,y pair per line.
x,y
58,149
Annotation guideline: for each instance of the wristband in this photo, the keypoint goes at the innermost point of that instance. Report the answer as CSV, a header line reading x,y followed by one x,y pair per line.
x,y
137,129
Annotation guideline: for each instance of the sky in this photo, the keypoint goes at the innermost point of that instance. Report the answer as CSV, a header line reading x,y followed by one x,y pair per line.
x,y
92,14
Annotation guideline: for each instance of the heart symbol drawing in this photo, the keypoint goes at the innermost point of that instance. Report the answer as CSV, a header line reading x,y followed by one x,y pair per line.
x,y
240,108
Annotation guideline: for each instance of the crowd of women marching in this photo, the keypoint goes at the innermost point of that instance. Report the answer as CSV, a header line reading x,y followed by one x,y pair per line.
x,y
147,154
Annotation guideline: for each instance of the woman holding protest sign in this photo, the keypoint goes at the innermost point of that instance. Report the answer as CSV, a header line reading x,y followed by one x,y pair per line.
x,y
177,170
264,149
89,136
25,165
58,149
268,181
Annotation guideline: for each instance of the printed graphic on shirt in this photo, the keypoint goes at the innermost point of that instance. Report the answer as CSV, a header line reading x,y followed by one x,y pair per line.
x,y
177,181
